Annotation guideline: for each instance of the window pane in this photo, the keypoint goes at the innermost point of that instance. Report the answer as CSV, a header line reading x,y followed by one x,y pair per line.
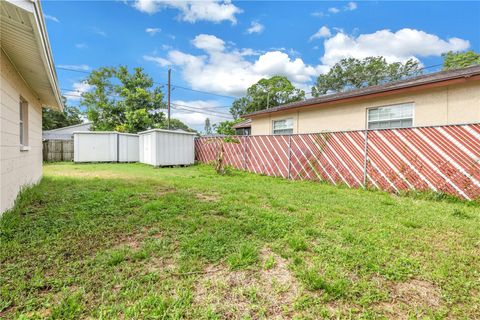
x,y
395,123
373,114
396,116
21,133
283,131
407,111
407,123
283,124
373,125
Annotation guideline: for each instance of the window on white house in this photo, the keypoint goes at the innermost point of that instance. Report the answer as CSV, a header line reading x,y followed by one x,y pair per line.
x,y
283,126
23,122
388,117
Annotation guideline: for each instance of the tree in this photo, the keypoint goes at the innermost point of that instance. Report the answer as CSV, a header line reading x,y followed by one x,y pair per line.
x,y
353,73
226,127
123,101
239,107
265,93
52,119
175,124
208,127
458,60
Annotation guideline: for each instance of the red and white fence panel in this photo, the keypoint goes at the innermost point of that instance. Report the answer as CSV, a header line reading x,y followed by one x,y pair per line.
x,y
443,158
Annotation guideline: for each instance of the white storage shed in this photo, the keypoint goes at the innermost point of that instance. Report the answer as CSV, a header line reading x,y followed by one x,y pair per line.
x,y
105,146
159,147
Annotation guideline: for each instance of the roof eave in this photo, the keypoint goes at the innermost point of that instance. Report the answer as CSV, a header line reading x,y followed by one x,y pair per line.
x,y
47,54
40,44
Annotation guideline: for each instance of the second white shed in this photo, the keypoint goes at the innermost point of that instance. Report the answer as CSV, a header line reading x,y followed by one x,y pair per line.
x,y
159,147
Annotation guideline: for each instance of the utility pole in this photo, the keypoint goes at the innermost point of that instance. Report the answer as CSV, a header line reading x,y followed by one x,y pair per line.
x,y
169,74
268,98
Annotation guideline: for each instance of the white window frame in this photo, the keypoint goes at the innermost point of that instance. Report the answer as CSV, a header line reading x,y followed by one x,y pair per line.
x,y
23,125
280,133
402,118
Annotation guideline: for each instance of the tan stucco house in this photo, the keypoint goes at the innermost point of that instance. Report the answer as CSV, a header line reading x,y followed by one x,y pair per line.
x,y
441,98
28,83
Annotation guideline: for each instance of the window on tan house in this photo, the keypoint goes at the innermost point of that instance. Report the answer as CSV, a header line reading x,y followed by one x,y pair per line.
x,y
23,123
284,126
389,117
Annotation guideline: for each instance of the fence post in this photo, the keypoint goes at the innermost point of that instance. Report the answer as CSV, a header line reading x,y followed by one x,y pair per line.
x,y
289,156
365,161
244,153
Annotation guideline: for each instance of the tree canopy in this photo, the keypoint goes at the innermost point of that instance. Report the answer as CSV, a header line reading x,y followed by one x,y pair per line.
x,y
52,119
175,124
123,101
226,127
458,60
353,73
265,93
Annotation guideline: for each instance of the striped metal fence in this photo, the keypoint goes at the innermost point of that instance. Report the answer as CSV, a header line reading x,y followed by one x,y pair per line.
x,y
442,158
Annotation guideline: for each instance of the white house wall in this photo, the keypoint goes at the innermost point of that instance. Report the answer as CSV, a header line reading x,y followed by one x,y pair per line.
x,y
18,168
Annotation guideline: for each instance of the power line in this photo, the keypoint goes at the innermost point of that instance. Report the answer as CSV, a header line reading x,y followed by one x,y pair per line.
x,y
182,108
160,83
193,109
200,91
200,108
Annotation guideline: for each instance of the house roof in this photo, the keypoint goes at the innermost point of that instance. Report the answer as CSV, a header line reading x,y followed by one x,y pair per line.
x,y
69,127
24,40
244,124
436,79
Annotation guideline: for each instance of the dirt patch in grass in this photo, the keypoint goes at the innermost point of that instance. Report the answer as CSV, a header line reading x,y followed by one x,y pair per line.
x,y
158,191
411,298
268,292
212,197
160,264
417,293
135,240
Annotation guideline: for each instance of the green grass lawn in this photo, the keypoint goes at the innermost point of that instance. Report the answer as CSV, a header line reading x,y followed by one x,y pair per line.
x,y
134,242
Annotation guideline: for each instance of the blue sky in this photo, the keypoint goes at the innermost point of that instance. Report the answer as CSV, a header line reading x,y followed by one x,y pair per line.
x,y
223,47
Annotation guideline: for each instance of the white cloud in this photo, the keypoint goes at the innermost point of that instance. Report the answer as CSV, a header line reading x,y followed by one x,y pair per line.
x,y
152,31
333,10
81,45
78,67
323,32
255,27
193,11
78,89
99,31
196,120
351,6
394,46
224,70
318,14
52,18
160,61
208,43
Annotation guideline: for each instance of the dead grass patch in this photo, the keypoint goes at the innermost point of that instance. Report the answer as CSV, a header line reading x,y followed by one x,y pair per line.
x,y
212,197
160,264
269,292
135,240
411,298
